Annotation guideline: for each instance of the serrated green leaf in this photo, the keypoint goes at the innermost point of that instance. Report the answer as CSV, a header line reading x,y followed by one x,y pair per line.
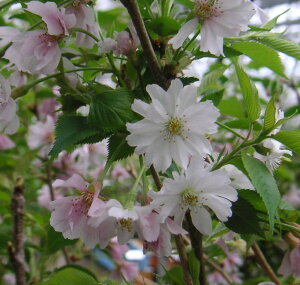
x,y
71,276
257,52
244,218
270,115
272,23
210,80
118,147
71,130
111,109
289,138
265,185
285,46
194,266
250,93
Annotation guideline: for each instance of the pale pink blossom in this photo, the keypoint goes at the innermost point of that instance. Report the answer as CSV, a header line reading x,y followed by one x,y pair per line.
x,y
6,142
9,121
38,51
293,196
41,135
70,215
44,196
219,19
57,20
85,19
48,108
7,34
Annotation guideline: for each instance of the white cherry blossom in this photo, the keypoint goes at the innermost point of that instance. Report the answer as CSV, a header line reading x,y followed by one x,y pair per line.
x,y
197,190
174,126
219,19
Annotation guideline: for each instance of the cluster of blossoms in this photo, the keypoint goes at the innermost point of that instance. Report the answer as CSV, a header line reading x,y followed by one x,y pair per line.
x,y
174,129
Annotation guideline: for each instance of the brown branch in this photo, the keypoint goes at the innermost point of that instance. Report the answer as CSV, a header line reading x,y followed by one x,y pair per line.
x,y
16,248
183,259
196,241
264,264
156,178
135,14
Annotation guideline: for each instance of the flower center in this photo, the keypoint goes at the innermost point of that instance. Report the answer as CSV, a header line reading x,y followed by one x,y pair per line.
x,y
126,223
83,203
190,198
206,9
174,127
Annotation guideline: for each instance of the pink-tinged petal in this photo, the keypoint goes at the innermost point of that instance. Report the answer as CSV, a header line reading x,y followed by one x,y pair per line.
x,y
124,235
201,220
118,251
12,126
6,142
7,110
6,90
175,228
183,33
75,181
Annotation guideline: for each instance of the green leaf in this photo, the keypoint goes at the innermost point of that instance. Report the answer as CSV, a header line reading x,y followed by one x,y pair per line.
x,y
250,93
71,130
285,46
232,106
118,147
258,52
244,218
210,80
174,276
215,97
272,23
270,115
164,26
110,109
55,241
289,138
265,185
71,276
194,266
243,124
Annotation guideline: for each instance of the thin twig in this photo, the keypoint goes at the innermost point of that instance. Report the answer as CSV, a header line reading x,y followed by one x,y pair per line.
x,y
264,264
134,12
156,178
196,240
16,249
184,259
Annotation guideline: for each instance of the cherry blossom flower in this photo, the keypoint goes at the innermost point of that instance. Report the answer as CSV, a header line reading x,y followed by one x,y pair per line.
x,y
139,219
276,149
196,190
85,19
173,127
70,215
38,51
9,121
219,19
41,135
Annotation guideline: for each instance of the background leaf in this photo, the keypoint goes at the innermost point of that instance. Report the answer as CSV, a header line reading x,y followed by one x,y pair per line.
x,y
265,185
250,93
262,55
289,138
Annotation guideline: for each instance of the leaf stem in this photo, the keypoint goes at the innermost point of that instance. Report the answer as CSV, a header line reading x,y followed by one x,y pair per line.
x,y
230,130
79,30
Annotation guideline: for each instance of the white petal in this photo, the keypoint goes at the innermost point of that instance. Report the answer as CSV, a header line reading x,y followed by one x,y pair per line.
x,y
201,220
183,33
